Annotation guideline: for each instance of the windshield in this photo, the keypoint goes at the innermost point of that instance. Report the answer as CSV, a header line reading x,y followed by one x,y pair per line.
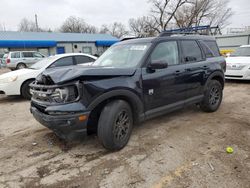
x,y
123,56
44,63
242,51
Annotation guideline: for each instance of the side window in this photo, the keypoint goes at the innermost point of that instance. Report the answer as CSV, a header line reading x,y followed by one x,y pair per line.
x,y
28,54
83,59
191,51
213,46
36,54
208,52
15,55
66,61
167,51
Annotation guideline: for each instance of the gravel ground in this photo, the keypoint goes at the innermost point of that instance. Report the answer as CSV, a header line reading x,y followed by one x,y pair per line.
x,y
182,149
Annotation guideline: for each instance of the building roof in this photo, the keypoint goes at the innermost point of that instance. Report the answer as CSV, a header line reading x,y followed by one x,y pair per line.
x,y
57,37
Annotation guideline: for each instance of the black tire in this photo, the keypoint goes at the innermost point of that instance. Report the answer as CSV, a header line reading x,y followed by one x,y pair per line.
x,y
25,90
21,66
115,125
213,97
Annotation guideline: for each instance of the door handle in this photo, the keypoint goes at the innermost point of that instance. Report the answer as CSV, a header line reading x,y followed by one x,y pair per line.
x,y
205,67
177,72
188,69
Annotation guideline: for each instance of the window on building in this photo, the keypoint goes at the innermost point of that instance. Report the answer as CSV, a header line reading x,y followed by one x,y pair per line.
x,y
87,50
66,61
167,51
83,59
191,51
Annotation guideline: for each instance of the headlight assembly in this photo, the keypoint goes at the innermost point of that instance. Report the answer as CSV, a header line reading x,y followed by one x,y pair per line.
x,y
65,94
8,80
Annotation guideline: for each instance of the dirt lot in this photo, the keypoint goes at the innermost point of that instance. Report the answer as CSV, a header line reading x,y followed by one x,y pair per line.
x,y
182,149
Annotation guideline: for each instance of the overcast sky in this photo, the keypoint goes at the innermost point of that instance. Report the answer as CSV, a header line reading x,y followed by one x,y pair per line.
x,y
51,13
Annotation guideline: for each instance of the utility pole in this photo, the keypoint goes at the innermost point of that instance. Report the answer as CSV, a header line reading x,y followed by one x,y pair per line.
x,y
36,22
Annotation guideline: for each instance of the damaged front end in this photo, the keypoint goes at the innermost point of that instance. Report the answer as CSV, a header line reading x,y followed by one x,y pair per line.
x,y
58,107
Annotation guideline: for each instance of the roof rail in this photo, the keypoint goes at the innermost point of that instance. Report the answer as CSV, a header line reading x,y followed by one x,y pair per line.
x,y
200,30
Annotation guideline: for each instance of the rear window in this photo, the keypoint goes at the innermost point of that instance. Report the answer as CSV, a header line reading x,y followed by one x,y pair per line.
x,y
212,45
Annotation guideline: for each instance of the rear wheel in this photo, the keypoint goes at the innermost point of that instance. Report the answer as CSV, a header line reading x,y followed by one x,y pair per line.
x,y
115,125
25,90
213,96
21,66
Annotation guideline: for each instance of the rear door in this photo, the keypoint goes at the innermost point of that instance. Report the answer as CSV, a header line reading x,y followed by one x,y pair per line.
x,y
164,89
196,67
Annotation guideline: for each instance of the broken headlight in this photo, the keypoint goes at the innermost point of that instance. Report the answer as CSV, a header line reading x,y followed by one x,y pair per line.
x,y
65,94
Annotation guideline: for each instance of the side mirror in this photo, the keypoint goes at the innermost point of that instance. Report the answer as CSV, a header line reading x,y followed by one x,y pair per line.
x,y
158,64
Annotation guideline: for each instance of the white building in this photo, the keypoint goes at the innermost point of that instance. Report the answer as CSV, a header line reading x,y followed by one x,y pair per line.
x,y
55,43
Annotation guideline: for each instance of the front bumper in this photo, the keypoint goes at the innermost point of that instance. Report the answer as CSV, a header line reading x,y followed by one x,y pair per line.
x,y
243,74
12,88
67,127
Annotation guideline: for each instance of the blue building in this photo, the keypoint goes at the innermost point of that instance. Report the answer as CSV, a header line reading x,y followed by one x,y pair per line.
x,y
55,43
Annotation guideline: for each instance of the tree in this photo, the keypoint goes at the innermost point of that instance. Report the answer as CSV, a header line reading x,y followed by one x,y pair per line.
x,y
77,25
27,26
203,12
142,26
116,29
163,12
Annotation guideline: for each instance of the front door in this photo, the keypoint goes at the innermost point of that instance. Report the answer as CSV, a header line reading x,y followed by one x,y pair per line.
x,y
164,88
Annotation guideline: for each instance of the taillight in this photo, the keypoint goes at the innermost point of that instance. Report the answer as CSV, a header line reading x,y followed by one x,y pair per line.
x,y
8,60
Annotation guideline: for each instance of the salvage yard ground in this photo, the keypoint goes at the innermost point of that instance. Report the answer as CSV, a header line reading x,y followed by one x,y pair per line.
x,y
182,149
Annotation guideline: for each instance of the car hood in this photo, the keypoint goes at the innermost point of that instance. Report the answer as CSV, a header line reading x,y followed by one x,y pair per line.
x,y
238,60
65,74
20,72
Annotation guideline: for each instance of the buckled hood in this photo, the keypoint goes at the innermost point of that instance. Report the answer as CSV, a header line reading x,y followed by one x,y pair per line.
x,y
65,74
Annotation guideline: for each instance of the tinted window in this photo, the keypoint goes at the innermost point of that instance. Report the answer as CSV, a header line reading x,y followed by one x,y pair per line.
x,y
83,59
167,51
191,51
213,46
36,54
27,54
66,61
15,55
208,52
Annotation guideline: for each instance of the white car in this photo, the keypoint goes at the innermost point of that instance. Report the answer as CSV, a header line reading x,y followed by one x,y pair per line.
x,y
17,82
238,64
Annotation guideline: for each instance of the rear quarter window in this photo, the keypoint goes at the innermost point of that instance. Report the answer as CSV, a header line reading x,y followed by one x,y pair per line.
x,y
212,45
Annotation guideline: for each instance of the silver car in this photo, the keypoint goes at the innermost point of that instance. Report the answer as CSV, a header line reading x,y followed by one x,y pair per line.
x,y
22,59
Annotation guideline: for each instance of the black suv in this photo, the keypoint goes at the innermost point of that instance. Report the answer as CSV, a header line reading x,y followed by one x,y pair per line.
x,y
132,81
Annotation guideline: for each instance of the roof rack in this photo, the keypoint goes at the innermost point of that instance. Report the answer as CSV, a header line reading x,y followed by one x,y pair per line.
x,y
200,30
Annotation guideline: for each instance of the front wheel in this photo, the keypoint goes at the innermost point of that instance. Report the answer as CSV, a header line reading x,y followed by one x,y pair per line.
x,y
115,125
213,96
25,90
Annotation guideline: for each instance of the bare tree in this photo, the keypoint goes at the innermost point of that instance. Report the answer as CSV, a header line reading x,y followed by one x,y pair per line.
x,y
77,25
27,26
163,12
203,12
142,26
116,29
